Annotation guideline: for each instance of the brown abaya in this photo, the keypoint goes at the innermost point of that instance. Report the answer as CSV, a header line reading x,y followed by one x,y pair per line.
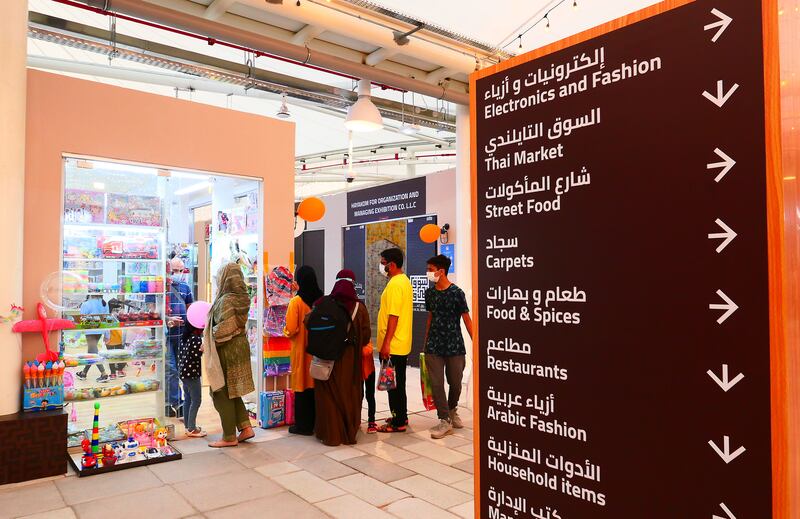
x,y
338,399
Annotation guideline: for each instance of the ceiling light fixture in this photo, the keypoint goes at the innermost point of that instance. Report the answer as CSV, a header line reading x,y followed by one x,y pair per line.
x,y
575,4
520,42
410,129
547,19
363,115
283,111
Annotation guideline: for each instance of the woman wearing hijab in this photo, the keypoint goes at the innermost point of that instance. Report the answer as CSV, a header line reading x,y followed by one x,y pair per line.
x,y
338,399
227,355
308,291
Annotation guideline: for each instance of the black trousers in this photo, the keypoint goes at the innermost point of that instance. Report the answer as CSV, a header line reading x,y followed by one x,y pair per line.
x,y
304,411
369,393
398,400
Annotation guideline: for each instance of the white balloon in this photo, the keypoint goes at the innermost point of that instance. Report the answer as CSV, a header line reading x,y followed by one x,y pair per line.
x,y
299,226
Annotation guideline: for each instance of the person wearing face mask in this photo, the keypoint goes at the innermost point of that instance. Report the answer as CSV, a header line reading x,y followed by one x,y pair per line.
x,y
395,325
180,297
445,354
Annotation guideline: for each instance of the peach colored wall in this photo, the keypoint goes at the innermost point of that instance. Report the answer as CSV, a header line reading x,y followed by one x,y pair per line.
x,y
66,115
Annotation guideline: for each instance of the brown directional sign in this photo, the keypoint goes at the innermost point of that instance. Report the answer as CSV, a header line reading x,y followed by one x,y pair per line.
x,y
622,273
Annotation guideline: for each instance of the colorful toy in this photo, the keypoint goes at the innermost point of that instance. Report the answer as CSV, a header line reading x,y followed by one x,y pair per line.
x,y
161,437
109,456
44,326
43,387
88,460
95,429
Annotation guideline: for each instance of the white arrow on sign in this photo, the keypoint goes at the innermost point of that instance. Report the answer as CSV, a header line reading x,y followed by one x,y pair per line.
x,y
726,510
729,307
722,97
724,383
725,453
723,23
727,236
726,164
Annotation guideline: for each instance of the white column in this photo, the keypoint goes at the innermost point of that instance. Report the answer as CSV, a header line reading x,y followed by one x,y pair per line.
x,y
463,226
13,50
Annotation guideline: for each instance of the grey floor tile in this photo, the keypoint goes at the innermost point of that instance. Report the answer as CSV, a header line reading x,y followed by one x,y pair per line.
x,y
196,466
18,500
163,502
226,489
103,486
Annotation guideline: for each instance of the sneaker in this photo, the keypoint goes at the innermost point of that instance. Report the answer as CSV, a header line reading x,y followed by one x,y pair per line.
x,y
112,376
456,420
102,379
442,429
372,428
120,374
169,412
81,375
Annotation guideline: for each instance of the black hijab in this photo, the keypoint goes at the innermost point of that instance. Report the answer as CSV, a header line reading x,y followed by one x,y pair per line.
x,y
307,281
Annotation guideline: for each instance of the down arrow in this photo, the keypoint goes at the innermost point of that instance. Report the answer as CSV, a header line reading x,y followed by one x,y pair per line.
x,y
724,383
725,453
726,510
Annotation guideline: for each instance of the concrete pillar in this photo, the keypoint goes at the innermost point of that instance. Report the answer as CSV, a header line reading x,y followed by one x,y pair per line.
x,y
463,225
13,50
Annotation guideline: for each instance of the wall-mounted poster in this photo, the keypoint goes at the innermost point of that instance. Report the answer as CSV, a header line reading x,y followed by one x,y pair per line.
x,y
134,210
84,206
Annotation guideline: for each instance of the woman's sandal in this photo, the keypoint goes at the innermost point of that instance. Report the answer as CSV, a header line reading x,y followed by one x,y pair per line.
x,y
222,444
197,433
242,438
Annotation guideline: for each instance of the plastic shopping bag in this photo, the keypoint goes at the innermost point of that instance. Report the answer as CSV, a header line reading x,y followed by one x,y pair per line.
x,y
425,384
387,379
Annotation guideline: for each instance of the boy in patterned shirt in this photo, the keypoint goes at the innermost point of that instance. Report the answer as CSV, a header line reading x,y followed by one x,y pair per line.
x,y
445,353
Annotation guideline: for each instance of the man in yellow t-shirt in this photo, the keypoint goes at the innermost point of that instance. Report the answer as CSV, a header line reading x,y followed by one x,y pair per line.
x,y
395,320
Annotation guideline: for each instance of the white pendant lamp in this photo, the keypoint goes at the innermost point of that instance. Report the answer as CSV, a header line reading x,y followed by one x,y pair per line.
x,y
363,116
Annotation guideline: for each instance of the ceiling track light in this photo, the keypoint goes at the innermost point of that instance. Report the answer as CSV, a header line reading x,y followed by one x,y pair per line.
x,y
283,111
547,21
520,42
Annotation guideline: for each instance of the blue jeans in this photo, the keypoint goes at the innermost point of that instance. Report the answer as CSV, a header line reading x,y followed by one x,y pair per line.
x,y
171,374
192,388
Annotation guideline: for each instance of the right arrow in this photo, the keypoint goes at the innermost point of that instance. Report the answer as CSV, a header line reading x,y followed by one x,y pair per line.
x,y
723,23
726,236
722,96
724,383
725,453
729,307
726,510
726,164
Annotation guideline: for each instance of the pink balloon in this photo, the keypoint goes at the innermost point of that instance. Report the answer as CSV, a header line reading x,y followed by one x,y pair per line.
x,y
197,314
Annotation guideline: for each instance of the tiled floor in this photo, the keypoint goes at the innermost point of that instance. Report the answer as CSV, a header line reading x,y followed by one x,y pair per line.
x,y
404,475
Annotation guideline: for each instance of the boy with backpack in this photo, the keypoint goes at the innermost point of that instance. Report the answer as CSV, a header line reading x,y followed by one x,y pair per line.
x,y
445,353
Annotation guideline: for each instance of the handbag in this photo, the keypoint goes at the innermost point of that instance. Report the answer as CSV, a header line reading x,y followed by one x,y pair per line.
x,y
387,379
367,361
320,369
425,384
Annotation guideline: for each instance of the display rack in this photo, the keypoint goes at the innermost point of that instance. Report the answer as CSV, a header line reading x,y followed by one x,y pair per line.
x,y
107,257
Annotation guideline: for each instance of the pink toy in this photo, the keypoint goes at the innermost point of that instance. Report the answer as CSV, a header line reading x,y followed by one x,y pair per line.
x,y
197,314
45,326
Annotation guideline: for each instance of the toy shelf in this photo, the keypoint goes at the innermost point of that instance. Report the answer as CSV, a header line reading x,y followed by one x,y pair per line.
x,y
112,260
102,330
116,398
67,294
116,360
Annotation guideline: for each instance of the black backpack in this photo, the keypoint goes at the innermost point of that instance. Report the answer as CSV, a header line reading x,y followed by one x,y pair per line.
x,y
328,326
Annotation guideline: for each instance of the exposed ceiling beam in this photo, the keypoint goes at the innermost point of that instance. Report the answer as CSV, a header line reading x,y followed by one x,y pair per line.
x,y
306,34
436,76
217,8
380,55
226,33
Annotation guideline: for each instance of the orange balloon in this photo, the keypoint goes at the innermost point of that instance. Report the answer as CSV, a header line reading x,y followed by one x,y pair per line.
x,y
430,233
311,209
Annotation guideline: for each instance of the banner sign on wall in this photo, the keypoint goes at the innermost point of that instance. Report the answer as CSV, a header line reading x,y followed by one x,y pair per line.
x,y
623,283
417,255
354,256
387,202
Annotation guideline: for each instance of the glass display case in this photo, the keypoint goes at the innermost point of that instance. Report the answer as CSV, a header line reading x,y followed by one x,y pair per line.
x,y
114,274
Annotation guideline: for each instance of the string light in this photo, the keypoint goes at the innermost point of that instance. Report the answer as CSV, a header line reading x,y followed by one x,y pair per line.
x,y
520,42
575,4
547,19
